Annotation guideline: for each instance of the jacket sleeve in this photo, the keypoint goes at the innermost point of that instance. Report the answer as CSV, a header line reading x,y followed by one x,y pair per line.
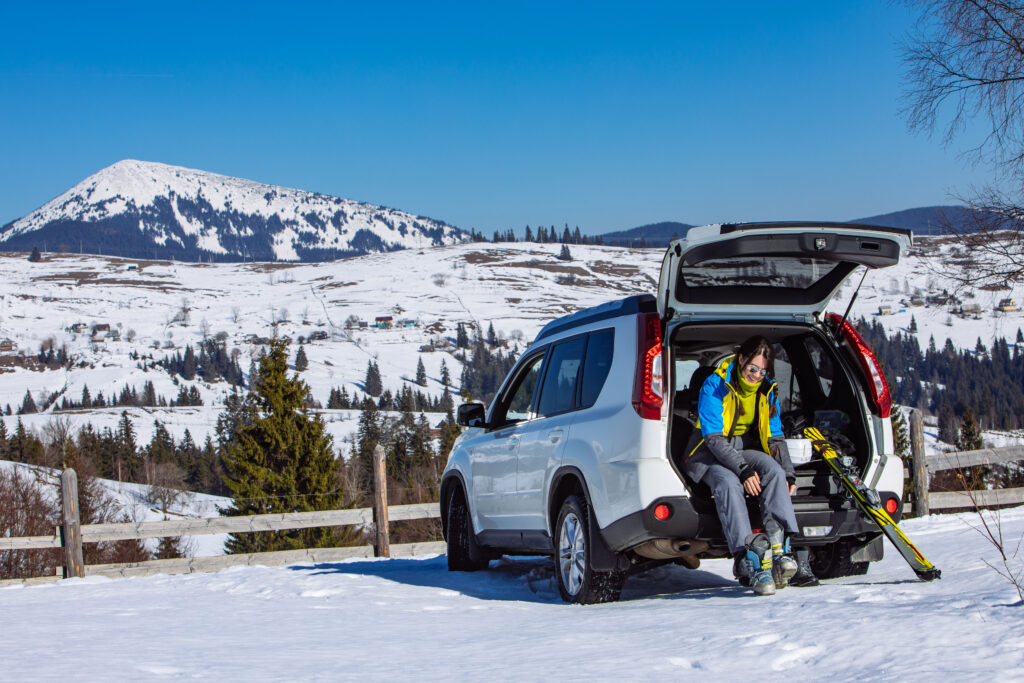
x,y
725,453
780,451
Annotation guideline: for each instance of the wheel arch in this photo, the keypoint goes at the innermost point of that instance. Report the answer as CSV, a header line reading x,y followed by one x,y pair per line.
x,y
452,479
567,481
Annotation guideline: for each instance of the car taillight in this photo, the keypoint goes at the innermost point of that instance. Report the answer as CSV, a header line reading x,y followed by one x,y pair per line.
x,y
647,385
878,388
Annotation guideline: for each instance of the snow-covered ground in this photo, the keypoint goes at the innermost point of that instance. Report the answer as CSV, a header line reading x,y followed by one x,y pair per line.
x,y
409,619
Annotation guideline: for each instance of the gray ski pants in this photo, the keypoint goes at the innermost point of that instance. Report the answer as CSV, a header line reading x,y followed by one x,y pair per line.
x,y
774,500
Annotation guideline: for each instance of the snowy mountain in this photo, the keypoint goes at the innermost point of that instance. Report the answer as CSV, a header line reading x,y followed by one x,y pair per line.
x,y
142,209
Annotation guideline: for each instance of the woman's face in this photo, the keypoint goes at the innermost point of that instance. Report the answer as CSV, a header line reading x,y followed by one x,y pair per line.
x,y
754,369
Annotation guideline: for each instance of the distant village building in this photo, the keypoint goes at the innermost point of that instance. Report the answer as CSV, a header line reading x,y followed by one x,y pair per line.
x,y
384,322
970,309
100,327
1007,306
885,310
363,324
7,345
916,301
318,335
78,328
406,323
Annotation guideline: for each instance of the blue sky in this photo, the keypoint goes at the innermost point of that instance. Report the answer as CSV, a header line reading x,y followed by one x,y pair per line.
x,y
486,115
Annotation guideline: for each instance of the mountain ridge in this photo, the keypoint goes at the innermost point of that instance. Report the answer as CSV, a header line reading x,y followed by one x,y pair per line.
x,y
151,210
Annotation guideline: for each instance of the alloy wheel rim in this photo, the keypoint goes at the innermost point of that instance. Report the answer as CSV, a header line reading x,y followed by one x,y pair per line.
x,y
572,553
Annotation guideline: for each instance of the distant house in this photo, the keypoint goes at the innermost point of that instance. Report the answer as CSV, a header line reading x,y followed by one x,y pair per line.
x,y
100,327
970,309
916,301
78,328
885,310
406,323
319,335
384,322
7,345
1007,305
363,324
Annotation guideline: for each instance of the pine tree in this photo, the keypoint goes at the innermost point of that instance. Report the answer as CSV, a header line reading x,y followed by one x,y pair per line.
x,y
949,430
301,362
565,254
900,432
1020,336
35,256
28,405
913,325
461,337
280,460
492,337
446,377
970,434
421,373
372,384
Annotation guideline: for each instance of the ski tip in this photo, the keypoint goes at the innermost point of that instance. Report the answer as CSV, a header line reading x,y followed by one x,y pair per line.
x,y
928,574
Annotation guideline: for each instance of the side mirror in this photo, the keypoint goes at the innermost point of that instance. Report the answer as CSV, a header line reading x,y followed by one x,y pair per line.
x,y
471,415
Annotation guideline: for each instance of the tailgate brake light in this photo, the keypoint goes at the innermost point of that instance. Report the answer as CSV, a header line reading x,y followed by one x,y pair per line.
x,y
881,400
648,391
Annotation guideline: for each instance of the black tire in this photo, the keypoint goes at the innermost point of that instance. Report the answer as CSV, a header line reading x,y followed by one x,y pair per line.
x,y
578,581
464,553
833,560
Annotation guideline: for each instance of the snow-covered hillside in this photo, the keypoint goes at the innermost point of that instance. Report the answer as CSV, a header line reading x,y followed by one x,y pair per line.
x,y
410,619
151,210
157,308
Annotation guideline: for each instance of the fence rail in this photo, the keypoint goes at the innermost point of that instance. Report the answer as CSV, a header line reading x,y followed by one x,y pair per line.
x,y
924,466
121,531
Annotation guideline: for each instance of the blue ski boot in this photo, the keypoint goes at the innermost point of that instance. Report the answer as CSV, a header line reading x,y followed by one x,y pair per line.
x,y
784,566
753,565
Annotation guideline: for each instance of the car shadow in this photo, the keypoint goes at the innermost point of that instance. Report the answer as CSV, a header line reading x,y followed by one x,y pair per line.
x,y
528,579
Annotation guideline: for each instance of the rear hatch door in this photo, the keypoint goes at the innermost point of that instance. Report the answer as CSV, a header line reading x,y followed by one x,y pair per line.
x,y
769,270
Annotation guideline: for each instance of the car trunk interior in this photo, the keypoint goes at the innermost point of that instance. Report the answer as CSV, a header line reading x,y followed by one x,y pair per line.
x,y
816,388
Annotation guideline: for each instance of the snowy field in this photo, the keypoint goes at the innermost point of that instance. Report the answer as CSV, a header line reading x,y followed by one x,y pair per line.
x,y
409,619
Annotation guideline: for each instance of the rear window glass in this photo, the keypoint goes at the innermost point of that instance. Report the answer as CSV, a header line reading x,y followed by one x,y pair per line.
x,y
595,369
778,271
559,390
822,362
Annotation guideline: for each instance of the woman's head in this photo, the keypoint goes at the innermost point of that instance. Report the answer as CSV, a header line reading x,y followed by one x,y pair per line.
x,y
755,359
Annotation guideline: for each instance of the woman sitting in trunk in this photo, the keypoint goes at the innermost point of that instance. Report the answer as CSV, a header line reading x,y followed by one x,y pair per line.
x,y
738,447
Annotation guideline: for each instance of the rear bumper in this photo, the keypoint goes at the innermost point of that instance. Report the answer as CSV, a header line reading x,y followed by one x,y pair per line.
x,y
822,521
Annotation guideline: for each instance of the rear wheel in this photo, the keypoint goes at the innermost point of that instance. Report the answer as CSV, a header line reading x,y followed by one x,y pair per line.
x,y
833,560
578,581
464,553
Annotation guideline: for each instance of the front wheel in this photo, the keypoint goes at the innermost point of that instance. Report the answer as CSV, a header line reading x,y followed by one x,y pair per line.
x,y
833,560
578,581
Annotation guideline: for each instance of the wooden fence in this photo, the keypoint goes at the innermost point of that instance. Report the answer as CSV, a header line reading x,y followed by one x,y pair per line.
x,y
71,534
923,466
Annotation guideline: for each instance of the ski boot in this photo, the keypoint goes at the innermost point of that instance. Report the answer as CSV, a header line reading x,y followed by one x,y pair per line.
x,y
753,565
804,575
783,564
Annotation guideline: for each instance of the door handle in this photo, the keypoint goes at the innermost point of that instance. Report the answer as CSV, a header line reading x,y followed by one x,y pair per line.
x,y
555,435
513,442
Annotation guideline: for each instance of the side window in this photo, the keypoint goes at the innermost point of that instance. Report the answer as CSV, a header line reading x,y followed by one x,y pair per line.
x,y
595,369
821,361
684,372
789,389
521,396
559,391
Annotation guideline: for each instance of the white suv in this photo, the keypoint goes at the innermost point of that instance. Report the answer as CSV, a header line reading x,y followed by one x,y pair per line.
x,y
578,455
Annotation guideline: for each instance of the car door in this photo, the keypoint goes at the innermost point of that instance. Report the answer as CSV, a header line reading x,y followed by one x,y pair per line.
x,y
543,439
769,270
493,454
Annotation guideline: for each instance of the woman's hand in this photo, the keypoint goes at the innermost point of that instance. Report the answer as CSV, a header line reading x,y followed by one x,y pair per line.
x,y
792,489
752,484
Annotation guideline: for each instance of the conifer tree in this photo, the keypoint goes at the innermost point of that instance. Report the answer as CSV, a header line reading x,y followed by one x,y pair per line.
x,y
913,325
970,434
86,398
301,362
948,429
35,256
28,405
280,460
901,433
372,384
421,373
446,377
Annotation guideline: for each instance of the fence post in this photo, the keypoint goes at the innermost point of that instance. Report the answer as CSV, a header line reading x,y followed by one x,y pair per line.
x,y
381,545
71,529
920,471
